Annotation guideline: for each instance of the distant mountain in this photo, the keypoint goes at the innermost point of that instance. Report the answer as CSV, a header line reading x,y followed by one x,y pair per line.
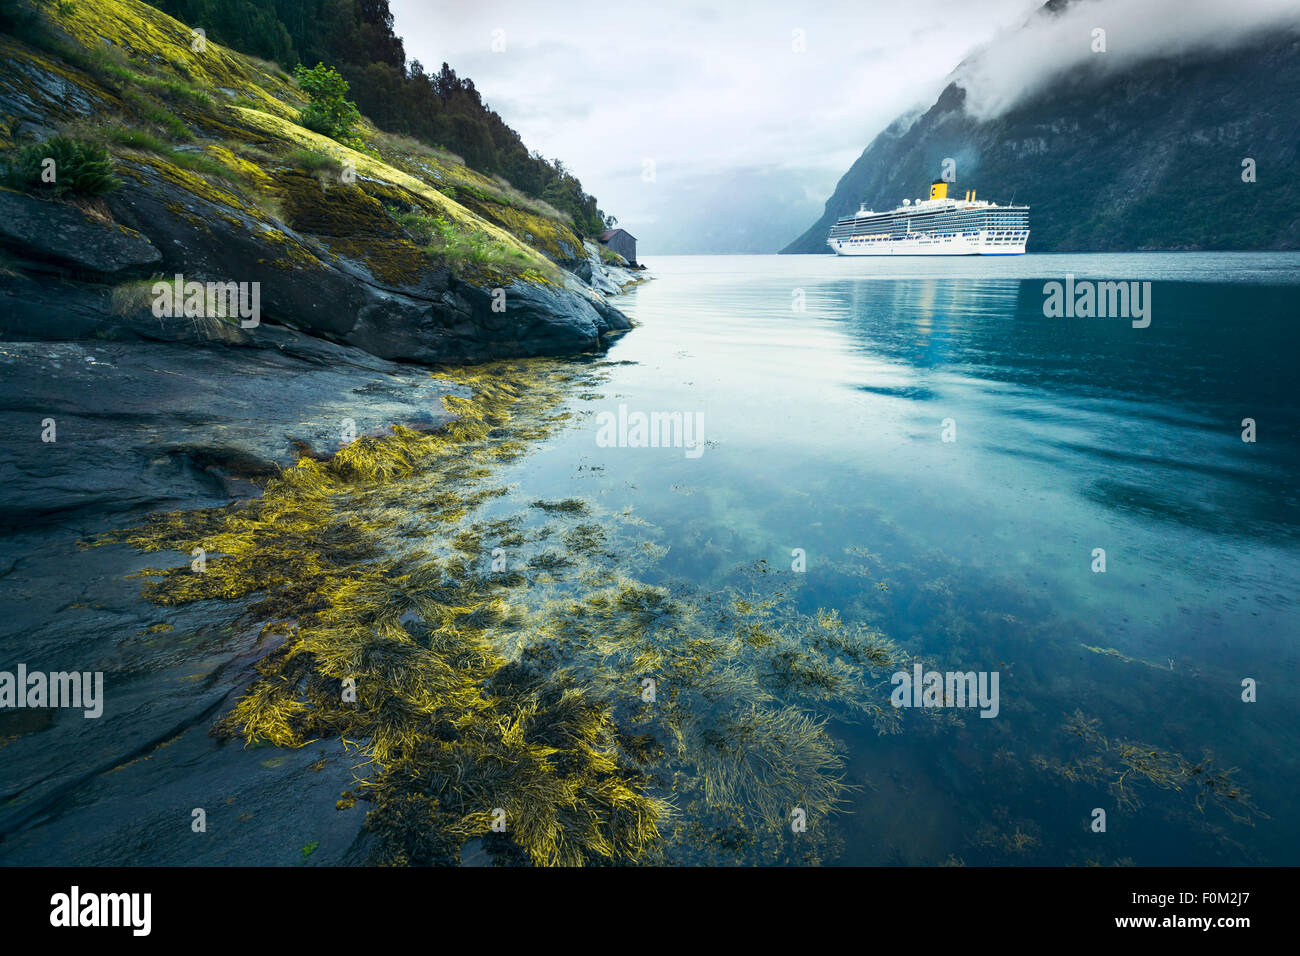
x,y
1147,157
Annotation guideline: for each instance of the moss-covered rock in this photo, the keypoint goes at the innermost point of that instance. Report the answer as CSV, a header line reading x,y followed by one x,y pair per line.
x,y
215,178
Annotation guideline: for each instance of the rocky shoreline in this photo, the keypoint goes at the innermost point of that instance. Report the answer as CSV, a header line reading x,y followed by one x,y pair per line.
x,y
151,412
155,417
112,410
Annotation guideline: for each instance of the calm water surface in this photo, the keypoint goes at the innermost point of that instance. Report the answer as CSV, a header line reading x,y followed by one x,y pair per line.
x,y
825,433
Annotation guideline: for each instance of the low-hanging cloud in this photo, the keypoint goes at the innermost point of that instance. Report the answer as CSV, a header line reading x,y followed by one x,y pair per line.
x,y
751,110
1021,62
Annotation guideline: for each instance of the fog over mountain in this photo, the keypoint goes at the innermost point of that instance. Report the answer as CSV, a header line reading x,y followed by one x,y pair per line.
x,y
1021,62
748,135
1137,146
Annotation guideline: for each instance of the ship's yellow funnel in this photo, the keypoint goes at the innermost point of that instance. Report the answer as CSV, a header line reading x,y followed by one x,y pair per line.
x,y
938,189
968,195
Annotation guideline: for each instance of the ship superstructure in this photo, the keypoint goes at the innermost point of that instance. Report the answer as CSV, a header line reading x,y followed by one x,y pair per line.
x,y
937,226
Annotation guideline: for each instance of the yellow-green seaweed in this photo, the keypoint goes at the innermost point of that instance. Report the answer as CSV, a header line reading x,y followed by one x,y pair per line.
x,y
517,699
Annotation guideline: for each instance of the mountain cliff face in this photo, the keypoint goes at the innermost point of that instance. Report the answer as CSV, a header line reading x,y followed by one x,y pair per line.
x,y
1141,159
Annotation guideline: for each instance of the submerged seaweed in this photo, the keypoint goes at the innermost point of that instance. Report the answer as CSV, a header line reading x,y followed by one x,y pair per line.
x,y
1125,765
517,676
564,711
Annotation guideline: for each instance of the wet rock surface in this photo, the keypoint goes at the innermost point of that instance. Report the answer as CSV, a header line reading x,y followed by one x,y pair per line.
x,y
122,788
109,412
140,426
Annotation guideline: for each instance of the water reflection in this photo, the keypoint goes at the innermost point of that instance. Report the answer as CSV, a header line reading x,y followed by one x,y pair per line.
x,y
1072,435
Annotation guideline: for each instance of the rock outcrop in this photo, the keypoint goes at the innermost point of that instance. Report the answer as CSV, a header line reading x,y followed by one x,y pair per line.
x,y
327,248
60,235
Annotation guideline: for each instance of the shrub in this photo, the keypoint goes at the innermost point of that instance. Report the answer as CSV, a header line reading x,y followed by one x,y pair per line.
x,y
330,113
79,168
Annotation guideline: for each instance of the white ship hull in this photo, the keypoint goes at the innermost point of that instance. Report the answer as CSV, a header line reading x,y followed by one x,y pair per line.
x,y
961,244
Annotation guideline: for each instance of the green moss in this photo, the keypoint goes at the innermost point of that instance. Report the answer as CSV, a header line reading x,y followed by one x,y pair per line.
x,y
352,224
150,40
491,247
187,171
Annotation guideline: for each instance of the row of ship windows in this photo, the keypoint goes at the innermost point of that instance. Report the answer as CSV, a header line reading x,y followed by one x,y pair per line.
x,y
921,235
1004,237
1007,222
968,213
925,232
931,226
939,224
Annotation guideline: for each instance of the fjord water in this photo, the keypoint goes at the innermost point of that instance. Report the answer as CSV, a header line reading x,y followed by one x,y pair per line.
x,y
824,385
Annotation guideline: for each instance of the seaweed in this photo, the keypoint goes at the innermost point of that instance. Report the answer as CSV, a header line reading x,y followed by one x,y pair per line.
x,y
511,708
1124,766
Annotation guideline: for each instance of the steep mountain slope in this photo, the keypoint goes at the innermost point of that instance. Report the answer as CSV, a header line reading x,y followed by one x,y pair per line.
x,y
1147,158
438,108
391,246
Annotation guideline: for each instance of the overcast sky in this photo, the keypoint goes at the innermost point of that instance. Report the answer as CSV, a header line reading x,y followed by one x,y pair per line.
x,y
723,127
747,136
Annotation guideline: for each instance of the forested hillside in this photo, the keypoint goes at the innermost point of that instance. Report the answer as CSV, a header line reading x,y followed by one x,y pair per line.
x,y
357,38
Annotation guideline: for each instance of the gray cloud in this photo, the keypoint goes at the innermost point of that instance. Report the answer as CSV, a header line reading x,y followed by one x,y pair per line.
x,y
740,125
714,94
1025,58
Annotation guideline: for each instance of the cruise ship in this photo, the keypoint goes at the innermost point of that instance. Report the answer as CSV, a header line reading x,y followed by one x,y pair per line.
x,y
938,226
